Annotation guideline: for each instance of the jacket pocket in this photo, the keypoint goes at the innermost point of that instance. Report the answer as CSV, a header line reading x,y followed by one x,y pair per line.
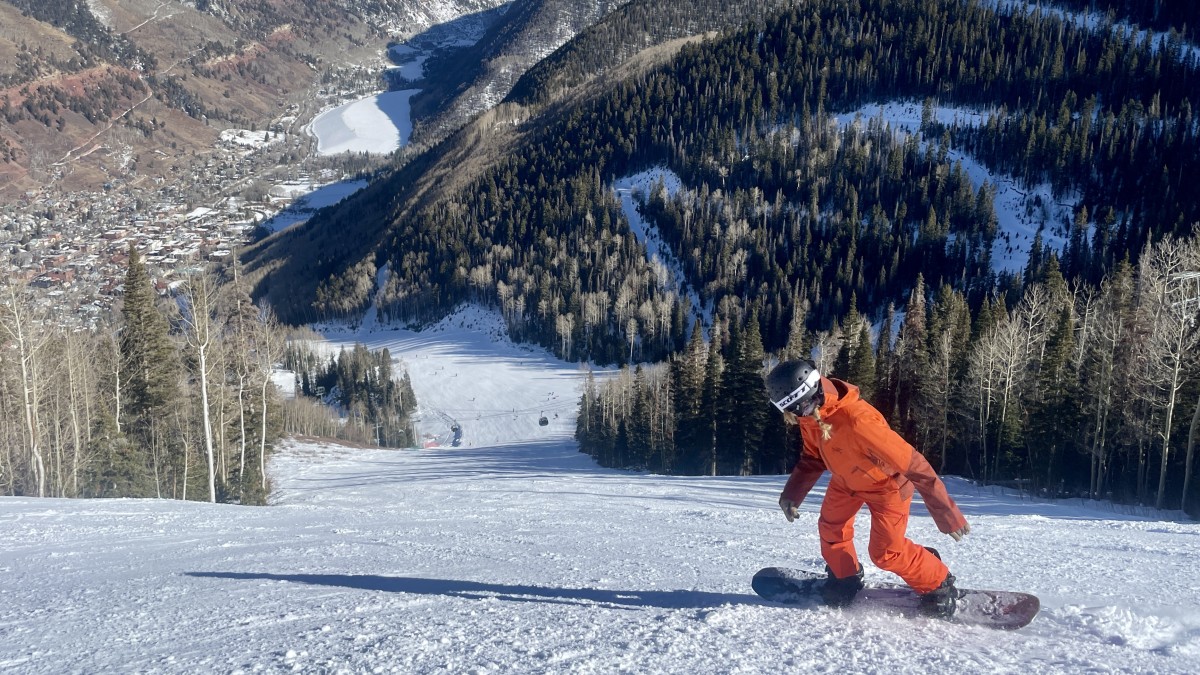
x,y
870,473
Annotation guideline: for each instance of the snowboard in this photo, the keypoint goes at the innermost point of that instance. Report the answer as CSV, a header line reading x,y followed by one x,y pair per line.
x,y
994,609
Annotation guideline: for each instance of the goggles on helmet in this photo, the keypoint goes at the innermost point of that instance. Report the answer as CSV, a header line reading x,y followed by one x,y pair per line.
x,y
803,399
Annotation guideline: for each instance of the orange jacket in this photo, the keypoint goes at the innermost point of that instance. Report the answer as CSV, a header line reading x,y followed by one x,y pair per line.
x,y
866,457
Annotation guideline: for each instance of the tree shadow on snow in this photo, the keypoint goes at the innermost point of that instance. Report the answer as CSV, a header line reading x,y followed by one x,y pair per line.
x,y
473,590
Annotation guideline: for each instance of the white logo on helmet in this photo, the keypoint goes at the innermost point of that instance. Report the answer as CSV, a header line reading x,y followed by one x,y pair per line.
x,y
809,384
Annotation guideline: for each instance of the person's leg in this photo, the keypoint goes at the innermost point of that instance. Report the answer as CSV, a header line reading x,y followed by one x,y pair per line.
x,y
892,550
836,529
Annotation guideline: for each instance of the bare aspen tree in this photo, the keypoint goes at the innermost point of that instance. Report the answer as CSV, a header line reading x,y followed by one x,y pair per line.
x,y
1192,304
242,374
80,355
984,374
240,335
1086,302
57,409
1104,343
1021,340
243,321
218,390
631,334
9,432
1166,315
23,325
268,350
184,425
564,325
199,298
665,308
113,337
940,389
828,345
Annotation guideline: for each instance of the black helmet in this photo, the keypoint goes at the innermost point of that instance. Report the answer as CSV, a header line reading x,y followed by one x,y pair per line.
x,y
792,384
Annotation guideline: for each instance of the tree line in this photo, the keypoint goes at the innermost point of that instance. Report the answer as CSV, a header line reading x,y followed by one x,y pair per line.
x,y
375,404
169,397
1075,390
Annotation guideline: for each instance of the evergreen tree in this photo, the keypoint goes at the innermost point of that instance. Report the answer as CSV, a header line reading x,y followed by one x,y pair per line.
x,y
690,423
949,351
1054,414
119,468
150,360
852,326
799,339
150,376
912,363
861,368
641,444
885,367
744,401
714,374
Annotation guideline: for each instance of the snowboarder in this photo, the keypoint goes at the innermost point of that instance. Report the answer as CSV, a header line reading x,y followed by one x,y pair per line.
x,y
871,464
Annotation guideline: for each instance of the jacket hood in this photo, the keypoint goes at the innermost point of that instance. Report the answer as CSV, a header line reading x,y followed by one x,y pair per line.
x,y
837,395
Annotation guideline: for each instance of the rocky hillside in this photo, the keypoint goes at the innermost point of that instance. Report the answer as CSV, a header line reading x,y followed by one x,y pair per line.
x,y
138,88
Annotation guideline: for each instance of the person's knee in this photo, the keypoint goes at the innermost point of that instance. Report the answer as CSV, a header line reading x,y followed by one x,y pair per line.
x,y
835,531
885,557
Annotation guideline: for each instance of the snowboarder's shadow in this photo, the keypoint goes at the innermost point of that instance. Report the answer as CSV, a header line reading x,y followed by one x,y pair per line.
x,y
676,599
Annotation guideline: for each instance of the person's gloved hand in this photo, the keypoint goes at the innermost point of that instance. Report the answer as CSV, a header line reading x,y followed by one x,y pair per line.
x,y
789,508
958,534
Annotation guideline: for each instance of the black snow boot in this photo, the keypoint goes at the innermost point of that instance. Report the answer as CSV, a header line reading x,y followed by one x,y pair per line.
x,y
940,601
840,592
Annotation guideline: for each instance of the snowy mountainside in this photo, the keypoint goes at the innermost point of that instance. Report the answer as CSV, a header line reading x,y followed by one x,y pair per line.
x,y
514,553
474,79
1021,212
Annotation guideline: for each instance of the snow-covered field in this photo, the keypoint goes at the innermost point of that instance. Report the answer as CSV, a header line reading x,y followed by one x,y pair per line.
x,y
376,125
309,199
410,61
515,553
251,141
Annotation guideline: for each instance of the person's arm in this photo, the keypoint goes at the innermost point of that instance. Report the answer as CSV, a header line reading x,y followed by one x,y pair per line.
x,y
804,476
891,449
942,508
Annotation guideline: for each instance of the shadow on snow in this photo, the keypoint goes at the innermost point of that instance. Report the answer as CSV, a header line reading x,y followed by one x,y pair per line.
x,y
473,590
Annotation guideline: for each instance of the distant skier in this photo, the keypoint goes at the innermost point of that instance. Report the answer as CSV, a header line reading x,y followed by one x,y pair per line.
x,y
871,464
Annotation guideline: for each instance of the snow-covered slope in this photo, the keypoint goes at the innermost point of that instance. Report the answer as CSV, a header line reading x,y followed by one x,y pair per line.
x,y
514,553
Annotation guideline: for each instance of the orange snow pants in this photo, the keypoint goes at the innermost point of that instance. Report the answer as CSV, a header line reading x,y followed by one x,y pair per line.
x,y
889,548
